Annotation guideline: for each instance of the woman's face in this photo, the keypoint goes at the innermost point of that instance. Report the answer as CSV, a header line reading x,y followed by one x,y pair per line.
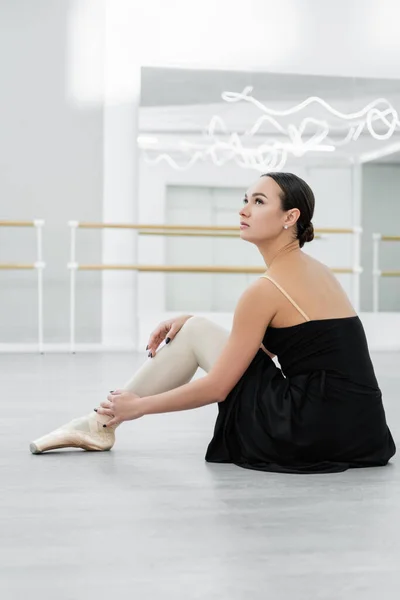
x,y
262,212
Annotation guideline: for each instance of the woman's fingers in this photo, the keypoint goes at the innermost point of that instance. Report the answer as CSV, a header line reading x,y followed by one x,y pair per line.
x,y
113,421
157,336
105,404
154,343
173,331
105,411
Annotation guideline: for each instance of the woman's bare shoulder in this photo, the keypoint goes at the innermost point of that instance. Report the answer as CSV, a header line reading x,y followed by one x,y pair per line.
x,y
313,286
300,265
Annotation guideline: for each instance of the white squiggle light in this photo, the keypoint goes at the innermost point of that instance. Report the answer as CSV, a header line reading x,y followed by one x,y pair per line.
x,y
274,154
369,112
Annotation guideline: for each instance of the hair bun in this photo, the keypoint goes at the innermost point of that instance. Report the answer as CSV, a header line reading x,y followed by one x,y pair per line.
x,y
307,235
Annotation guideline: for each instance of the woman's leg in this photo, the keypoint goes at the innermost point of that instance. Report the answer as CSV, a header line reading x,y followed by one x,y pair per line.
x,y
198,344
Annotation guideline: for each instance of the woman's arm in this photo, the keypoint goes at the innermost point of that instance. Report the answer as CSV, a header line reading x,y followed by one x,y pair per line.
x,y
254,311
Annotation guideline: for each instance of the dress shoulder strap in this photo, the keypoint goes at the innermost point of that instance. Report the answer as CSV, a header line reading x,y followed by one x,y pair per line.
x,y
286,296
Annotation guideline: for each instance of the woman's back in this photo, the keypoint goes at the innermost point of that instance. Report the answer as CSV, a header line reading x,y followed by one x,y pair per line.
x,y
317,330
312,287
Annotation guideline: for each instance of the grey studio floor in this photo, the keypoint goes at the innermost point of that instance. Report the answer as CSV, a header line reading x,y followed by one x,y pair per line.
x,y
152,520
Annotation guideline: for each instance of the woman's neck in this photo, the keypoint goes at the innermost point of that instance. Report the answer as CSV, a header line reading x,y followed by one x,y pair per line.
x,y
275,252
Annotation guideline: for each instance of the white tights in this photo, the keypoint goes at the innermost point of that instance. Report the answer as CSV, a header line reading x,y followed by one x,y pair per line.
x,y
197,344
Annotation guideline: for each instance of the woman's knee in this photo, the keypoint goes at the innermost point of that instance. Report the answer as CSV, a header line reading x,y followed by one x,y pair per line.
x,y
203,328
195,325
206,339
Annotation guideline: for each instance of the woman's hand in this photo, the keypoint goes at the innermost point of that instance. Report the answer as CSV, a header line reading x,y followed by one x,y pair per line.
x,y
121,406
165,330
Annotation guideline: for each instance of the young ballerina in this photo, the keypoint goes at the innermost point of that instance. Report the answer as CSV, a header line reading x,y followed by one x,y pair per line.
x,y
321,411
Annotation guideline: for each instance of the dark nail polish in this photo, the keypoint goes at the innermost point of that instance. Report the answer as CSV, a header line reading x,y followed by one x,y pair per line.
x,y
149,355
111,391
147,347
167,340
95,409
104,425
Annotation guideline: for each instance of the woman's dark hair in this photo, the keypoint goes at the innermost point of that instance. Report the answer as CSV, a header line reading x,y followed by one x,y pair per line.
x,y
296,193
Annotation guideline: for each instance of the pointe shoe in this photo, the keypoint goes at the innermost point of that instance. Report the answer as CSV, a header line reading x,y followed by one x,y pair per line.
x,y
86,432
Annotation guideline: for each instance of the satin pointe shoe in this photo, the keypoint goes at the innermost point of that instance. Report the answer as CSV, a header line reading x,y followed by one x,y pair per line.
x,y
85,432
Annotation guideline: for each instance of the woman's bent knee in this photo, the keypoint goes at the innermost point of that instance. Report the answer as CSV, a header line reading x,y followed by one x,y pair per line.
x,y
205,338
199,326
194,325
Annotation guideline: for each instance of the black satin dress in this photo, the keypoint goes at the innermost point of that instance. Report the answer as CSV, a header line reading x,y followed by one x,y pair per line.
x,y
321,412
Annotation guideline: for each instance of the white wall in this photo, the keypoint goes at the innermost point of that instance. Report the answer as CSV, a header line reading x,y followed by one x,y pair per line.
x,y
50,168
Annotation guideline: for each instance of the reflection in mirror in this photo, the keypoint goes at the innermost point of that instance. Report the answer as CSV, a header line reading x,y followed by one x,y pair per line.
x,y
205,136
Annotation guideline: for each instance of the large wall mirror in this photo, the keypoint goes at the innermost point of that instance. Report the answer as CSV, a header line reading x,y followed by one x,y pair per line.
x,y
205,136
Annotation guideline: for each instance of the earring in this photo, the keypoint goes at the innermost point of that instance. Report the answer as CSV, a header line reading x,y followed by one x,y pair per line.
x,y
285,227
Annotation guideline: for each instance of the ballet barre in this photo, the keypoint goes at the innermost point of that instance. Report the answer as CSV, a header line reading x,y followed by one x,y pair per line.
x,y
187,231
21,223
376,272
17,266
184,268
38,265
206,229
197,234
